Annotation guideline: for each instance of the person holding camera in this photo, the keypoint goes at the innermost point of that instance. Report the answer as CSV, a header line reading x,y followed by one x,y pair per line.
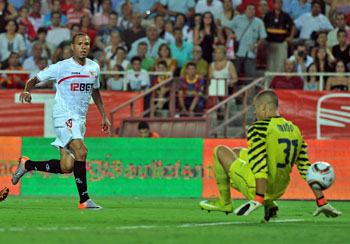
x,y
301,57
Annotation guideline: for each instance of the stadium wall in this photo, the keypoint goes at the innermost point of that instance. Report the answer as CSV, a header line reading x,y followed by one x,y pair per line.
x,y
163,167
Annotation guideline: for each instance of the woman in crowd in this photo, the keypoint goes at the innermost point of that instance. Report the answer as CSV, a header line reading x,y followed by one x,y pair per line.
x,y
11,41
339,83
7,12
164,54
111,50
222,68
87,28
207,36
311,81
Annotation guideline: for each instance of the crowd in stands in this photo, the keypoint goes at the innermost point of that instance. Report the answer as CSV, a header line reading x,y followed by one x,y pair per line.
x,y
196,40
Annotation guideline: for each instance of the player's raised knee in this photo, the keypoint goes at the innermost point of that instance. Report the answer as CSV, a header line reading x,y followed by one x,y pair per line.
x,y
67,166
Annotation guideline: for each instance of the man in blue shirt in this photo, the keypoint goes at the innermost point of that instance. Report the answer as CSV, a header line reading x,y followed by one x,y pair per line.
x,y
180,50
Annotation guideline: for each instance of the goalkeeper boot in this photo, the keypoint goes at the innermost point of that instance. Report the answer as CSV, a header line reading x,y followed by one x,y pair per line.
x,y
4,193
271,209
21,170
216,205
89,204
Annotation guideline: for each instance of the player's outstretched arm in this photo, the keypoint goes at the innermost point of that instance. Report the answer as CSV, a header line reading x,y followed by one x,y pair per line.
x,y
324,207
105,124
25,95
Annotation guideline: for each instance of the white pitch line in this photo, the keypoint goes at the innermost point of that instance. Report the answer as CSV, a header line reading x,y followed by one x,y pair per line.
x,y
188,225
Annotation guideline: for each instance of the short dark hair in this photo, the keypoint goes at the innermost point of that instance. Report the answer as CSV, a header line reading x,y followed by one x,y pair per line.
x,y
176,28
76,35
113,13
74,25
136,58
342,30
142,44
120,48
42,30
181,14
269,96
191,64
55,12
316,2
163,62
249,4
143,125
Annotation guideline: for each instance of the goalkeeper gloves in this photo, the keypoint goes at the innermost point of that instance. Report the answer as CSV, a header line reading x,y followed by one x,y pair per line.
x,y
4,193
248,207
327,210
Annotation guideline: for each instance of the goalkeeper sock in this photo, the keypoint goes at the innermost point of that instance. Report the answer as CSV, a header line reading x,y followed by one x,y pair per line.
x,y
259,198
222,180
80,179
321,201
51,166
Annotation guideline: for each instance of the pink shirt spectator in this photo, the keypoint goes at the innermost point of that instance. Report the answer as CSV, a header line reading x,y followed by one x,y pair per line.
x,y
74,17
100,19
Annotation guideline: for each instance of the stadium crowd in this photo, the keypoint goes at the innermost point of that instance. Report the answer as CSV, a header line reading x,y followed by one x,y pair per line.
x,y
226,39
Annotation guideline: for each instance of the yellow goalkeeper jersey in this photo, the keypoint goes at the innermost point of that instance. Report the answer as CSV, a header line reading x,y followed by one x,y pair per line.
x,y
274,146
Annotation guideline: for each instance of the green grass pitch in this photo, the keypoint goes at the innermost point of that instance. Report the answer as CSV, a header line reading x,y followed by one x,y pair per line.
x,y
162,220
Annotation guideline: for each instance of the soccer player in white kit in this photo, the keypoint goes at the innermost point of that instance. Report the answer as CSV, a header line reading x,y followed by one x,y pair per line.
x,y
76,80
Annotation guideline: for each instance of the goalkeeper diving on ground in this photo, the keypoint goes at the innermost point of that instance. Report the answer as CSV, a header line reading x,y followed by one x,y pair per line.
x,y
262,171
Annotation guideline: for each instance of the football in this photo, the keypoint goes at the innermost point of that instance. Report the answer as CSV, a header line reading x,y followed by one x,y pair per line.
x,y
320,175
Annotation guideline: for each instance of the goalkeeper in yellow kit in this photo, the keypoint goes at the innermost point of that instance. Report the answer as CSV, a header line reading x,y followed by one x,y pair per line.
x,y
262,172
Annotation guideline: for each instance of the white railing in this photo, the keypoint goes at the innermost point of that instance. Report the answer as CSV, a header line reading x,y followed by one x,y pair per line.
x,y
321,75
111,72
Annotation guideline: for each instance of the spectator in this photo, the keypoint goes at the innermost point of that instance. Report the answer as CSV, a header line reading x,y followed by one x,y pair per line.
x,y
321,41
14,81
42,64
135,32
10,42
197,19
191,89
147,63
187,33
148,10
226,16
116,82
75,13
173,7
213,6
7,12
137,82
35,17
222,68
208,35
201,64
101,19
180,50
287,82
32,63
159,22
162,93
22,30
56,34
263,8
104,34
311,82
250,32
298,8
56,7
111,50
342,50
47,47
86,27
324,60
125,19
23,19
164,54
119,59
57,56
301,57
338,6
244,4
280,31
339,83
314,21
145,131
340,23
153,42
67,53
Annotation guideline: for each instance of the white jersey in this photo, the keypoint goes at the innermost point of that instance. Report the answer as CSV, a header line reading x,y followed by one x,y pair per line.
x,y
74,83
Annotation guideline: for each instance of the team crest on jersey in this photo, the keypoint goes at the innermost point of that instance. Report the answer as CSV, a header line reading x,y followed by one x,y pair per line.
x,y
92,73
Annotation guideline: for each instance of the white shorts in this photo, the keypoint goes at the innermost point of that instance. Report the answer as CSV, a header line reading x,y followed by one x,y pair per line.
x,y
67,128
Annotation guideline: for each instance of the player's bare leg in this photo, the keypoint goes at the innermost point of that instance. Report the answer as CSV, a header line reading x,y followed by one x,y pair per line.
x,y
223,159
79,150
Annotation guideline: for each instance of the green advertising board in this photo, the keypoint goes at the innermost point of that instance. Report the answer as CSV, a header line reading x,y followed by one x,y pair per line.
x,y
161,167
